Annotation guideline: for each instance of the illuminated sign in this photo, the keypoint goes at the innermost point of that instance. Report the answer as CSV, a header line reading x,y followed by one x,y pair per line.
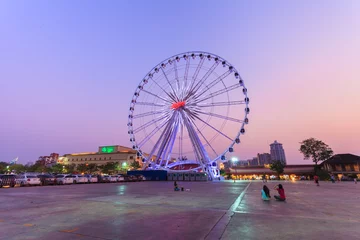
x,y
108,149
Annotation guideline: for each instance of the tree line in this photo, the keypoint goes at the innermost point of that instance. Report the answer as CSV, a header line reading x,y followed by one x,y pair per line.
x,y
88,168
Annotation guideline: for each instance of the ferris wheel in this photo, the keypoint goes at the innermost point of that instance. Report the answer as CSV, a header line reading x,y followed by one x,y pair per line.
x,y
187,113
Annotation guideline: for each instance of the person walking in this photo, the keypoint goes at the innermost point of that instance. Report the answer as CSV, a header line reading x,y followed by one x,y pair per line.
x,y
332,178
281,191
316,180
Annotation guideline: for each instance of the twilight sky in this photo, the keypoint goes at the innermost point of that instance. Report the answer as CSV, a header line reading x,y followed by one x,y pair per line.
x,y
68,69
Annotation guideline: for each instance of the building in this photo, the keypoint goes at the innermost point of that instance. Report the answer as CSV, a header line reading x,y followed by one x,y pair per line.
x,y
264,158
343,165
253,162
48,160
277,152
123,155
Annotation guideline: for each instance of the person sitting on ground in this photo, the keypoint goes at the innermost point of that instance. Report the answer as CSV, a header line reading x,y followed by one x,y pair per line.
x,y
281,192
265,193
176,187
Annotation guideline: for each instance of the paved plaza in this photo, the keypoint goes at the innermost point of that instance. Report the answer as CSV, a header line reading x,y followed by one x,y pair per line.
x,y
152,210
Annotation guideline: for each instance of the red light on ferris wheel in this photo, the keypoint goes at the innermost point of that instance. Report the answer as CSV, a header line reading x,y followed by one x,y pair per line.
x,y
178,105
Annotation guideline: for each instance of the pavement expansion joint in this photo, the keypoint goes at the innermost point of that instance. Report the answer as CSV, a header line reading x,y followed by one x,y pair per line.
x,y
219,228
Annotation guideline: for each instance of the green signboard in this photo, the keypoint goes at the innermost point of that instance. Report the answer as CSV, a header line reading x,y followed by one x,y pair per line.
x,y
108,149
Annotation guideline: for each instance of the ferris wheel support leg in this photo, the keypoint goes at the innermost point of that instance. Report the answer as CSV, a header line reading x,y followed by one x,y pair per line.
x,y
172,141
156,146
165,139
200,151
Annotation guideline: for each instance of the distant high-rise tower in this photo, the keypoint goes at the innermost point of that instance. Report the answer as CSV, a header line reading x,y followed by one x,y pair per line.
x,y
277,152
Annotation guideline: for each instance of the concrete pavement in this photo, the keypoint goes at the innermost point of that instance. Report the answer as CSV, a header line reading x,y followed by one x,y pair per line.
x,y
152,210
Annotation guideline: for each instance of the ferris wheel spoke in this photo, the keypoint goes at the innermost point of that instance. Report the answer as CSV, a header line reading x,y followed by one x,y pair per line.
x,y
216,104
221,116
169,95
148,124
208,143
176,76
219,92
166,138
157,142
207,74
186,72
213,83
154,95
224,135
196,143
150,104
152,133
194,77
148,114
172,89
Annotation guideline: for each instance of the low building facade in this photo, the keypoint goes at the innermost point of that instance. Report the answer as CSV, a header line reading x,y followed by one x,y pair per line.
x,y
256,172
122,155
343,165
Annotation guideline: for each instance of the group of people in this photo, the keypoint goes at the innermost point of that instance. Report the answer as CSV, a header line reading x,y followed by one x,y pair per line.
x,y
265,193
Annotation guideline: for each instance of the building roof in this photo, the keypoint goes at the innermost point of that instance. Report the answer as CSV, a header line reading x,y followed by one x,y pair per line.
x,y
343,158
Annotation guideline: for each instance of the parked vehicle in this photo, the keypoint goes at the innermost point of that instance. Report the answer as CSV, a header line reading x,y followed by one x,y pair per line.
x,y
91,178
47,179
7,180
113,178
130,178
27,180
120,178
103,178
106,178
64,179
140,177
79,179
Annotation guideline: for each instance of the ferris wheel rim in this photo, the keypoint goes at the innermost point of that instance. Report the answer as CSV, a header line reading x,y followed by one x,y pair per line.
x,y
227,63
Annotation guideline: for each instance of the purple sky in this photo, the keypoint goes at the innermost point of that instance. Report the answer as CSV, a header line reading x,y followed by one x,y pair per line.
x,y
68,69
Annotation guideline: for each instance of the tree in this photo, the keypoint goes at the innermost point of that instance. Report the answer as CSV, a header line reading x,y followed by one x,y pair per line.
x,y
109,167
92,167
135,165
277,166
82,167
38,167
57,168
3,166
18,168
70,168
315,150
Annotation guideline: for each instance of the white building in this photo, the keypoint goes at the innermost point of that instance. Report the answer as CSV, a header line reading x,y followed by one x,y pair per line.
x,y
277,152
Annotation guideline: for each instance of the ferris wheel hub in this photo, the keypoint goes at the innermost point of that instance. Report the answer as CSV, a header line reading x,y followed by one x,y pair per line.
x,y
177,105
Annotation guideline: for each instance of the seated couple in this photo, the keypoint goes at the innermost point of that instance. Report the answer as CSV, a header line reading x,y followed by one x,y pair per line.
x,y
265,193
